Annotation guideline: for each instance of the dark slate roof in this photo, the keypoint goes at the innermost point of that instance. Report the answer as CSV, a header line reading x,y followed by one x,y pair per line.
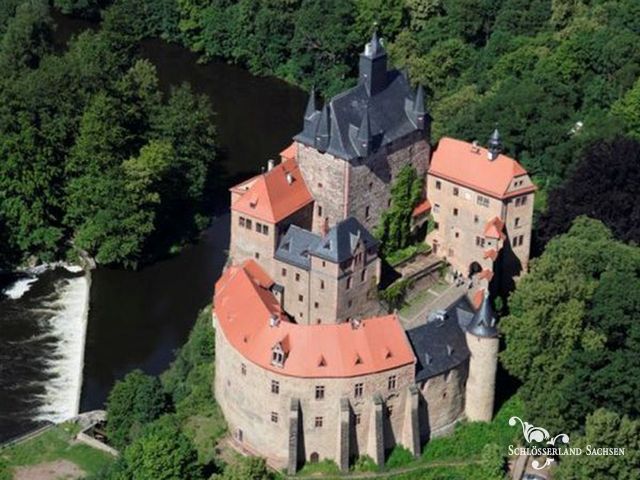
x,y
393,113
483,323
340,241
440,344
295,246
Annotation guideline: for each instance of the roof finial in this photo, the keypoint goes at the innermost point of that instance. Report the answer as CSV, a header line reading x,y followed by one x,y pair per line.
x,y
311,104
495,145
374,47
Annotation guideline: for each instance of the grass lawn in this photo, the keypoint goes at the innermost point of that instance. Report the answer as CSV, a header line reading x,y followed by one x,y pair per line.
x,y
57,444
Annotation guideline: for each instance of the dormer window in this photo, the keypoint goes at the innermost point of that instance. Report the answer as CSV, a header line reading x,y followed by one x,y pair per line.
x,y
277,355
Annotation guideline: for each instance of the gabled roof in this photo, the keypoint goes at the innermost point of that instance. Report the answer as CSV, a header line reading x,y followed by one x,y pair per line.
x,y
422,207
244,309
274,195
467,165
295,246
440,344
392,114
341,240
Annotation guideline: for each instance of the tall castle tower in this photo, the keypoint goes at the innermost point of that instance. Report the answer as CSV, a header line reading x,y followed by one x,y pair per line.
x,y
482,341
351,149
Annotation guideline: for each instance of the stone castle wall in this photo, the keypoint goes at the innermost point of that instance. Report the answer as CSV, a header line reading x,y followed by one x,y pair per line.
x,y
374,422
481,384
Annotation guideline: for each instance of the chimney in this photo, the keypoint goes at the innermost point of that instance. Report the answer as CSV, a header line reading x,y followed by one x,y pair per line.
x,y
270,164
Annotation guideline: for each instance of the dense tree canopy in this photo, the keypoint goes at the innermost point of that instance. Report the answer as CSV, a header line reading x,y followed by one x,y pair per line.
x,y
604,185
92,157
133,402
604,429
571,337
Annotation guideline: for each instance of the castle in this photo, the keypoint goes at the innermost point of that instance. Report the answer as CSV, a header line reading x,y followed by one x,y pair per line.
x,y
308,367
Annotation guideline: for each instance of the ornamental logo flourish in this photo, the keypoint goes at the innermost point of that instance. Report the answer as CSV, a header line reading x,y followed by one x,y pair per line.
x,y
535,434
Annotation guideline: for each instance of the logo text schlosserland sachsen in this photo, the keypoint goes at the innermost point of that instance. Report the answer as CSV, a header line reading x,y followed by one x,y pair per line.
x,y
550,447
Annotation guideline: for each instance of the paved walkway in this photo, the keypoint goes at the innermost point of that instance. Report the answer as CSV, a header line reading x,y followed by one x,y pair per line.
x,y
441,302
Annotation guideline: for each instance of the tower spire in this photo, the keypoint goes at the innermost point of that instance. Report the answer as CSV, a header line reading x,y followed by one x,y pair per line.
x,y
495,145
373,66
323,133
483,323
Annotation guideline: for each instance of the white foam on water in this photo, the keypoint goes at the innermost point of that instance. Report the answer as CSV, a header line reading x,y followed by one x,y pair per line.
x,y
68,323
18,288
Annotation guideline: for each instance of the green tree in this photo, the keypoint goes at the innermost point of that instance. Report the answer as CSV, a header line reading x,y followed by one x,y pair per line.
x,y
27,37
493,462
133,402
5,471
253,468
604,429
162,452
394,231
559,332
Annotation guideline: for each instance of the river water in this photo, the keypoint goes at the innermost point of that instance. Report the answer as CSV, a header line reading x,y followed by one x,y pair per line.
x,y
136,319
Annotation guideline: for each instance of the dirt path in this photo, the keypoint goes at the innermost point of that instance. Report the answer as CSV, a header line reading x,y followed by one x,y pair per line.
x,y
61,469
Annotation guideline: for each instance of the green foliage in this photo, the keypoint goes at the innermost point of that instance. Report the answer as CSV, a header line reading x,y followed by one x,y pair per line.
x,y
569,335
493,462
394,231
254,468
394,295
364,463
162,452
5,471
92,158
55,444
133,402
604,429
399,457
325,467
404,254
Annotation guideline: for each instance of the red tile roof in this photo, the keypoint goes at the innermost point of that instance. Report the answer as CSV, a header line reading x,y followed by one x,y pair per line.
x,y
491,253
421,208
243,309
462,163
289,153
478,297
274,195
494,228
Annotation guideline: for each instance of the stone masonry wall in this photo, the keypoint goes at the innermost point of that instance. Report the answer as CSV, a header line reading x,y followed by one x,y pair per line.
x,y
443,405
482,377
248,403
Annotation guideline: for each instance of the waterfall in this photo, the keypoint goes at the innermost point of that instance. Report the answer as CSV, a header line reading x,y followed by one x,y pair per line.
x,y
66,321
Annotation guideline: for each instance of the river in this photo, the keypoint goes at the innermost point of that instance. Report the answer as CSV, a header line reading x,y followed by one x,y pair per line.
x,y
136,319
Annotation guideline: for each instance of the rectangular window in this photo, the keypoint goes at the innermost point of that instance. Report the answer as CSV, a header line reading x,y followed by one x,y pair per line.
x,y
248,224
241,221
436,208
319,392
436,225
476,219
516,222
366,212
392,382
455,212
284,272
358,390
297,277
318,422
322,284
479,241
438,184
256,255
316,305
456,192
358,418
243,369
348,283
258,227
274,417
483,201
265,229
319,211
275,387
300,298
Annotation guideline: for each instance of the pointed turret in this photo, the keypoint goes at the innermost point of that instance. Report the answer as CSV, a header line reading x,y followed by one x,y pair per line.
x,y
483,323
364,137
311,104
373,66
323,133
495,145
